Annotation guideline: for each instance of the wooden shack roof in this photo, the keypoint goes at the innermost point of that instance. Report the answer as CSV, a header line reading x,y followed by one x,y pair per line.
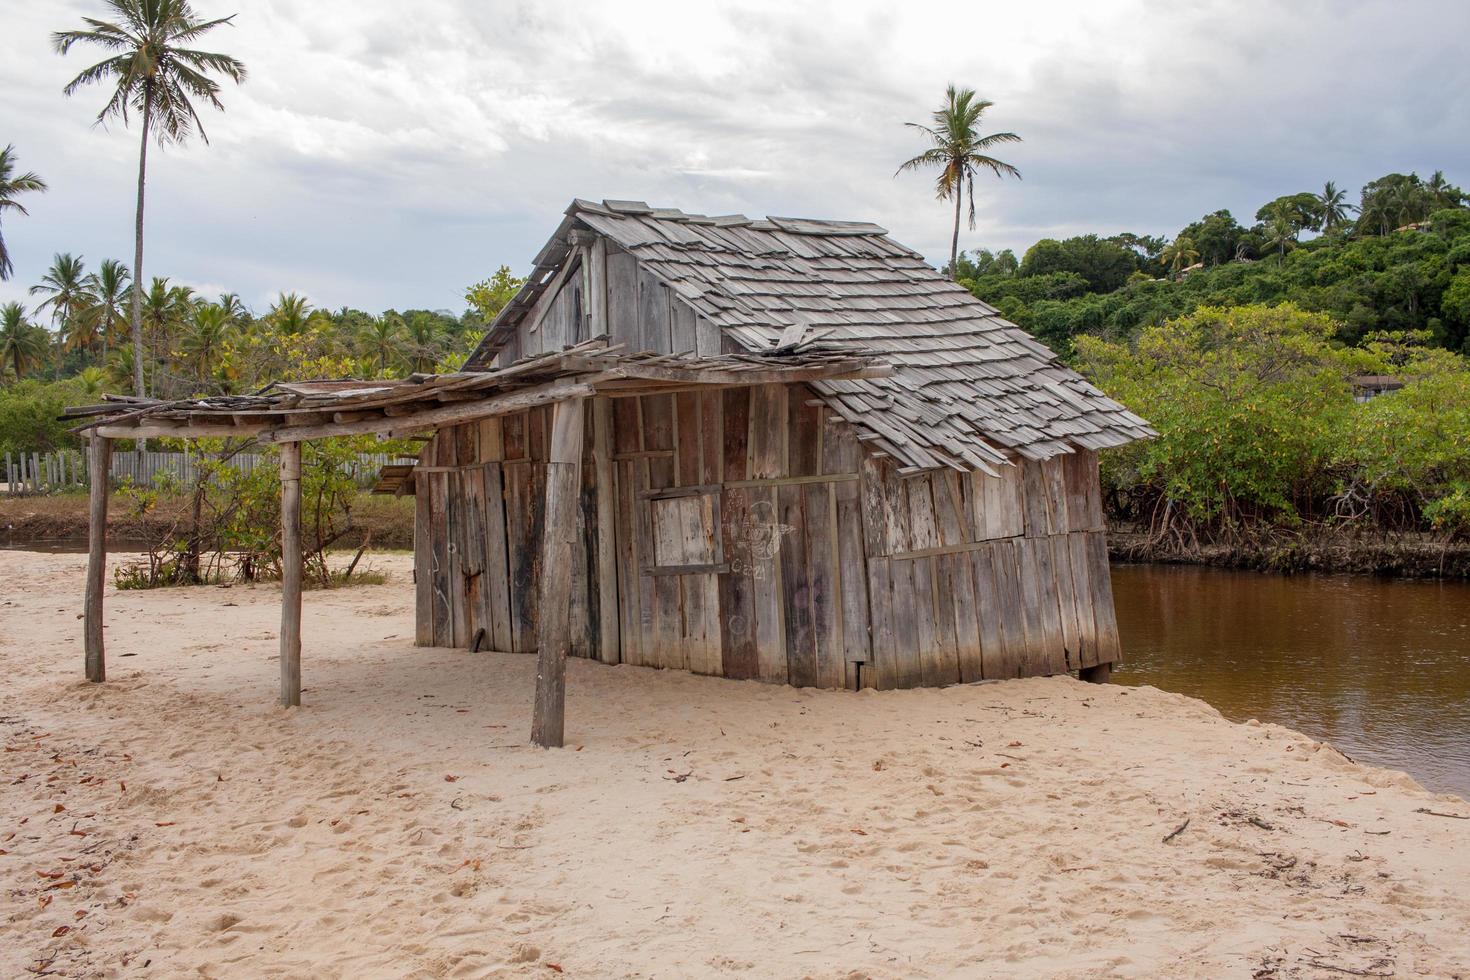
x,y
299,411
966,383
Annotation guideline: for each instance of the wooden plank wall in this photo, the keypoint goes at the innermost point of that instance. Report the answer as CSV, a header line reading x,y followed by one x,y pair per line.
x,y
977,577
764,584
480,494
754,538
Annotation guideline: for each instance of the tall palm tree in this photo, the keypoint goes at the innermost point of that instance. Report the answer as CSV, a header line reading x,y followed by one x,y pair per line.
x,y
165,309
154,74
959,152
21,343
109,290
65,287
11,186
382,338
1179,255
1334,207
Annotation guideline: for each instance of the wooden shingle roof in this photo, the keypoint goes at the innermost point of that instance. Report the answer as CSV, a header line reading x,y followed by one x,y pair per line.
x,y
966,382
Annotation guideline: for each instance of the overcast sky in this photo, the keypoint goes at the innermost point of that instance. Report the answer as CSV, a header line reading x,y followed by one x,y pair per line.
x,y
385,154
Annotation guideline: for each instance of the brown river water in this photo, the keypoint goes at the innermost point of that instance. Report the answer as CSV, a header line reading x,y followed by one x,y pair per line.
x,y
1380,668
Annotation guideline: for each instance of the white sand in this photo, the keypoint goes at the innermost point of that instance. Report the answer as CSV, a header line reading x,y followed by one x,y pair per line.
x,y
398,824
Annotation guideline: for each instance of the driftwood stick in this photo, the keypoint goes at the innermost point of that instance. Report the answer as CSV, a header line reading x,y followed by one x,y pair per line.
x,y
1177,830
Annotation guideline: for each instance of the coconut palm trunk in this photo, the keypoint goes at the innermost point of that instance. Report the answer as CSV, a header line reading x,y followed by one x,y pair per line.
x,y
954,242
136,326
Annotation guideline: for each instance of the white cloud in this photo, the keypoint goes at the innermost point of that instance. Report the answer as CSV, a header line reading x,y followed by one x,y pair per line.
x,y
384,154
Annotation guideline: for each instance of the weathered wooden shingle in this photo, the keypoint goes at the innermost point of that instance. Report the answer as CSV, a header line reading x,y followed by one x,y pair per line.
x,y
968,386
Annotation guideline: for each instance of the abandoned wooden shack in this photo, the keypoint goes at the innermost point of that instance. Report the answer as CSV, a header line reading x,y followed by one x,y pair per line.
x,y
937,524
781,449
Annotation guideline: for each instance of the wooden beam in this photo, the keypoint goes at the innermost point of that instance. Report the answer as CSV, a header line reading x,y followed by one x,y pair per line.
x,y
1097,674
291,574
609,650
99,449
437,417
563,482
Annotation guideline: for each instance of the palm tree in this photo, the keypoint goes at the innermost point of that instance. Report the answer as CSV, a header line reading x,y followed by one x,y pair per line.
x,y
65,288
12,185
109,290
1334,207
21,343
155,75
205,337
959,153
382,337
1179,255
424,341
165,309
290,313
1281,232
93,380
235,310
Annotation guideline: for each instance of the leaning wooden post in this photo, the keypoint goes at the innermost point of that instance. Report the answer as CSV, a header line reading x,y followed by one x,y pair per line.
x,y
563,482
1097,674
100,450
290,574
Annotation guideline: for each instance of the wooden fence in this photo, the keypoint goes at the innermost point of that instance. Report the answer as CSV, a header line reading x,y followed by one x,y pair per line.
x,y
34,473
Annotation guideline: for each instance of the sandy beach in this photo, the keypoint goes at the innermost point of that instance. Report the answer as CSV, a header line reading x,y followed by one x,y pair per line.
x,y
175,822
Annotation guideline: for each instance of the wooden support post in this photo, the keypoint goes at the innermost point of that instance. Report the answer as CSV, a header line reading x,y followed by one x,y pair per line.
x,y
563,481
290,574
100,449
1097,674
608,649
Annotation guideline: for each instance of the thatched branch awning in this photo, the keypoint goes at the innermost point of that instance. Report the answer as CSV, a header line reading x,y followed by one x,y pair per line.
x,y
300,411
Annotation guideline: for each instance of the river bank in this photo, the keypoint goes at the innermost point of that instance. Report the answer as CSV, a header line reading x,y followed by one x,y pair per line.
x,y
399,824
1400,556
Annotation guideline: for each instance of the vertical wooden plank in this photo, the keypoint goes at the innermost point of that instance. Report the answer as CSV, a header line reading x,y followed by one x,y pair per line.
x,y
653,314
1034,661
607,567
596,272
1054,653
95,658
627,437
681,328
906,669
1083,594
667,621
1010,605
1033,499
1054,478
711,437
934,601
290,574
739,657
622,299
1066,598
820,539
688,451
882,643
842,454
523,525
497,560
706,337
795,593
993,658
1109,647
767,459
423,562
440,605
957,574
563,479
